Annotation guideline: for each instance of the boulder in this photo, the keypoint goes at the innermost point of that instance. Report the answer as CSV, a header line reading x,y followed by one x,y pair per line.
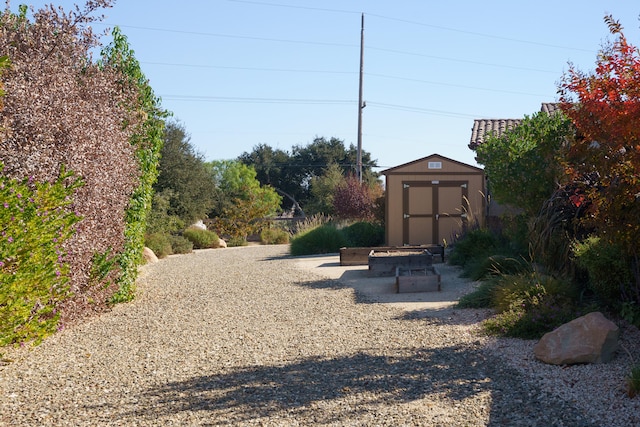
x,y
222,243
199,224
148,256
588,339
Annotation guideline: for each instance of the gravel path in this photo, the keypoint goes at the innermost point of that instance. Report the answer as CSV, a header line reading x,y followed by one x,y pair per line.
x,y
241,336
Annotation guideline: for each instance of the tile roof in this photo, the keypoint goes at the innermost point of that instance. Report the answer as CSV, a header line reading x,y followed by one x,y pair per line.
x,y
550,107
484,127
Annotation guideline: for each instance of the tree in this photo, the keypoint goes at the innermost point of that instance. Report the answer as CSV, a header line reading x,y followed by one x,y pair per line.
x,y
312,159
355,200
242,203
291,174
524,166
275,168
183,172
604,105
322,190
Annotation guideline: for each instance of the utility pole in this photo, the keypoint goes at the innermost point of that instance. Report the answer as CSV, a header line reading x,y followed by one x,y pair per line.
x,y
361,103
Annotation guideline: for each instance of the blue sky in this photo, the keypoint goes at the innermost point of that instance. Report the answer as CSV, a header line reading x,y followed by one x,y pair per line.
x,y
237,73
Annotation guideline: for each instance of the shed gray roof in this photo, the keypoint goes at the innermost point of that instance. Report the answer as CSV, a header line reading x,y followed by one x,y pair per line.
x,y
485,127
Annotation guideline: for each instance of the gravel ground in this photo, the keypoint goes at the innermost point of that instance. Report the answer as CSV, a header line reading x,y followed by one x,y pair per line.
x,y
241,336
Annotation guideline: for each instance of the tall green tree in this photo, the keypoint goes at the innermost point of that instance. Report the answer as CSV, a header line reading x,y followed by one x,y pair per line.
x,y
184,176
322,190
242,204
274,167
525,164
291,173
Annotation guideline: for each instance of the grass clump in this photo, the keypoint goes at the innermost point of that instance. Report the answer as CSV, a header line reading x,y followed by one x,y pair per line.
x,y
319,240
633,381
476,244
274,236
530,305
201,239
481,297
496,265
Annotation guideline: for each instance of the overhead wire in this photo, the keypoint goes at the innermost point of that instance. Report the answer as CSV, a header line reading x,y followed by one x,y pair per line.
x,y
423,24
374,104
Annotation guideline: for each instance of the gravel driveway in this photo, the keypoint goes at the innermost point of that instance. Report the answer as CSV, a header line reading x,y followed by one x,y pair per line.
x,y
241,336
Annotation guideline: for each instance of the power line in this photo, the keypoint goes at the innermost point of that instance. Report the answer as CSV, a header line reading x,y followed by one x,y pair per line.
x,y
204,98
422,110
473,33
232,36
454,85
290,101
223,67
386,76
422,24
291,70
295,7
466,61
316,43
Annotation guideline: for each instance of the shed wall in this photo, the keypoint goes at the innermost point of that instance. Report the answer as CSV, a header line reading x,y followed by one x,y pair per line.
x,y
429,206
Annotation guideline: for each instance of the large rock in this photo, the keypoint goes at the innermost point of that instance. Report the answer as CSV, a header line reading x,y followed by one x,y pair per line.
x,y
222,243
199,224
149,256
588,339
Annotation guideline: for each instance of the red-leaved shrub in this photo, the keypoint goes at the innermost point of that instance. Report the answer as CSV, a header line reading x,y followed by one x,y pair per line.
x,y
61,108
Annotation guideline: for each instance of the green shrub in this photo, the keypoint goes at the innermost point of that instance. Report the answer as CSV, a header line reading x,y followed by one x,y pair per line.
x,y
495,265
320,240
515,230
630,312
364,234
530,305
159,219
608,270
481,297
475,244
237,241
159,243
274,236
202,239
35,222
181,245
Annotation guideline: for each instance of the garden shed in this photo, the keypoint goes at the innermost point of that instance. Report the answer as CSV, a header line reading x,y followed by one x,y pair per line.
x,y
430,200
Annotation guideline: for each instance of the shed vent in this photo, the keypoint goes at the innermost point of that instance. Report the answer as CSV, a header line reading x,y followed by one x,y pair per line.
x,y
435,165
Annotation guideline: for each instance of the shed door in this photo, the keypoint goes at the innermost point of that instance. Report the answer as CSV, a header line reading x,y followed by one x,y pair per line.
x,y
432,211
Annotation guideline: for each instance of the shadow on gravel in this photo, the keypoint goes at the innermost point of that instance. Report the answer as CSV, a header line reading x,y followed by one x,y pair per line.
x,y
343,390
